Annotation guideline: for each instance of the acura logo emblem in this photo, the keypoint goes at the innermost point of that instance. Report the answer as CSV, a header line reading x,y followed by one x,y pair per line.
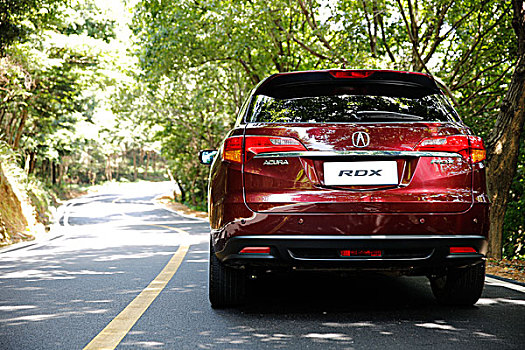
x,y
360,139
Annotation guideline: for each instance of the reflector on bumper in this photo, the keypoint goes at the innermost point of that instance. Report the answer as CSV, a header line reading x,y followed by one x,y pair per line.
x,y
361,253
255,250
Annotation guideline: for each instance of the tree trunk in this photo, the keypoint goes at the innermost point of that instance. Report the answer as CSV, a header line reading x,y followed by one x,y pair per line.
x,y
32,162
20,130
9,129
53,173
109,175
117,165
63,168
43,169
154,162
147,165
503,143
182,192
2,114
135,170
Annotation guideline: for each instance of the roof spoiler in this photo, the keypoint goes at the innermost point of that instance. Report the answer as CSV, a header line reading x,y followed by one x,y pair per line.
x,y
321,76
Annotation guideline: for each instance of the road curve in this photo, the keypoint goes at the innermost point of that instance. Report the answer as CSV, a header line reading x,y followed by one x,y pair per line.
x,y
126,273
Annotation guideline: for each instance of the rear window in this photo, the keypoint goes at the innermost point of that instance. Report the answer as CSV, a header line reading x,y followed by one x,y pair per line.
x,y
347,104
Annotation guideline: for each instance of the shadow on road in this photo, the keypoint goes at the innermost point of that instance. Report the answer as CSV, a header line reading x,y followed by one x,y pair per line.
x,y
319,311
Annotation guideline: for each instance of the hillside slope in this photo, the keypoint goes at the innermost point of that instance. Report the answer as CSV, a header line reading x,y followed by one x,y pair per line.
x,y
18,218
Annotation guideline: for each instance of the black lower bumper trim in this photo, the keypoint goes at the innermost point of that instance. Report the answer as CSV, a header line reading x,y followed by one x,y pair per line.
x,y
426,253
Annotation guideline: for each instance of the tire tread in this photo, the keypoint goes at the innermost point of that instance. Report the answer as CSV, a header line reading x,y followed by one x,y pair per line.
x,y
461,286
227,286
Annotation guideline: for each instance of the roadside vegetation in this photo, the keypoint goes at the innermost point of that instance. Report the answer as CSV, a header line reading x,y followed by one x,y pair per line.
x,y
61,61
93,92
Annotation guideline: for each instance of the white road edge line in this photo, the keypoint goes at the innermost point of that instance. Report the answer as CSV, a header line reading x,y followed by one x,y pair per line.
x,y
154,201
495,282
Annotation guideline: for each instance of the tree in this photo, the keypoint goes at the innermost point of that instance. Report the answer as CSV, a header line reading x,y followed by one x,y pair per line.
x,y
504,141
184,115
50,83
20,18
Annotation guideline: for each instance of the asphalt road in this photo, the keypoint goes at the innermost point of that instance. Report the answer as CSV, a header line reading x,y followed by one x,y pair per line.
x,y
108,254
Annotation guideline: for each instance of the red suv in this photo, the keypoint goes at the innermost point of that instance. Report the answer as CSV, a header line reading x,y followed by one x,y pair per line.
x,y
349,170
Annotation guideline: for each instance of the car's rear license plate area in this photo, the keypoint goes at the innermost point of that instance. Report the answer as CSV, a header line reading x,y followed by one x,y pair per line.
x,y
360,173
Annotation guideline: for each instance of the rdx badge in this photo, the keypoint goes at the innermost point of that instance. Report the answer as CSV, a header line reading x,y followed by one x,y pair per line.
x,y
275,162
360,172
442,161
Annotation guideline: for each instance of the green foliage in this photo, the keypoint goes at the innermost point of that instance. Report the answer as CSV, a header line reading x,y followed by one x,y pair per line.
x,y
185,115
88,19
7,155
256,37
52,86
20,18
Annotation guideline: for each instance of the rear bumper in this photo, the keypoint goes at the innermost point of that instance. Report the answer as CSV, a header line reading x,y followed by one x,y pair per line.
x,y
236,221
414,254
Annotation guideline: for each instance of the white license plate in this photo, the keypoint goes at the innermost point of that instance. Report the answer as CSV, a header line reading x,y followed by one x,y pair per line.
x,y
360,173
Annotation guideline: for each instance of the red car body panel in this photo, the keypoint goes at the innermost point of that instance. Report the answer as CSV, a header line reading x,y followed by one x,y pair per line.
x,y
231,217
299,186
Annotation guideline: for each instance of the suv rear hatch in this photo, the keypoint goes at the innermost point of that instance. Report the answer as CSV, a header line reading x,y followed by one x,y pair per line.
x,y
329,144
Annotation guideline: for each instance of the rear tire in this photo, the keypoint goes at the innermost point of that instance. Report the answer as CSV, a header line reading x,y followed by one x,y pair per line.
x,y
460,286
227,286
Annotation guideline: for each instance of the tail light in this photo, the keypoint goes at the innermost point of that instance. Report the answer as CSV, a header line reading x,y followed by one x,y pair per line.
x,y
233,149
361,73
462,250
351,73
477,149
258,144
255,250
470,147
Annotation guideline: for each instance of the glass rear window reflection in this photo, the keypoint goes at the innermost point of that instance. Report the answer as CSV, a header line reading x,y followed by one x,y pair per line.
x,y
351,109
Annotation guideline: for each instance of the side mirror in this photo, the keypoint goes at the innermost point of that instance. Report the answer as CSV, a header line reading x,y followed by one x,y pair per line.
x,y
206,156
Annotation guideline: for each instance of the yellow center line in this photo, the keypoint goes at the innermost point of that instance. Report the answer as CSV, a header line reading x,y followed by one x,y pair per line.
x,y
171,228
117,329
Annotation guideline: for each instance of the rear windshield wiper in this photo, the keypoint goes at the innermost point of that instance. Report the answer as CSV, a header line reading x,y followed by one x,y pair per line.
x,y
388,115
